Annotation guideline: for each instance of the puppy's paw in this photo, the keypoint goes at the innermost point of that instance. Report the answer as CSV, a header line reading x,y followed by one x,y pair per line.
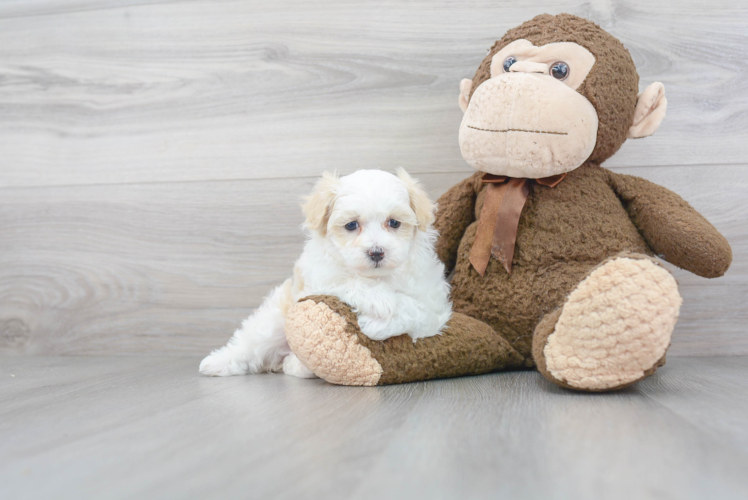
x,y
376,328
222,363
293,366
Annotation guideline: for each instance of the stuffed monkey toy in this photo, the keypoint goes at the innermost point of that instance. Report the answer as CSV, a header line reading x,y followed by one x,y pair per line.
x,y
553,256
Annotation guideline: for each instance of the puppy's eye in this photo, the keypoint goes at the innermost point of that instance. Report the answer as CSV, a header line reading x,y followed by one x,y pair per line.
x,y
394,224
352,226
508,63
560,70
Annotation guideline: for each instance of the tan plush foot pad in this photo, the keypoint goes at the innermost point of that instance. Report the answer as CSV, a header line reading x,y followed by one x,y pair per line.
x,y
614,327
322,340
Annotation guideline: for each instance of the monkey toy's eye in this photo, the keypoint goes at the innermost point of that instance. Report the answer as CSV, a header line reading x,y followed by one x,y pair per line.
x,y
352,226
394,224
560,70
508,63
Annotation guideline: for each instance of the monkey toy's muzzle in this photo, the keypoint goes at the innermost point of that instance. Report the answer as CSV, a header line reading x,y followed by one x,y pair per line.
x,y
527,125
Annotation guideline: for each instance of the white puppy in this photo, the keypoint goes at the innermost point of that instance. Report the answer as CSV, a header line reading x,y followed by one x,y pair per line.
x,y
370,244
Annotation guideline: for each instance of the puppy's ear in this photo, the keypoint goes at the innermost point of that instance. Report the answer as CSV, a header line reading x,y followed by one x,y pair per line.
x,y
318,205
420,202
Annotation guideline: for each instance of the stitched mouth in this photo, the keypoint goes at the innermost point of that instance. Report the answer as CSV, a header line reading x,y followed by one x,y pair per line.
x,y
518,130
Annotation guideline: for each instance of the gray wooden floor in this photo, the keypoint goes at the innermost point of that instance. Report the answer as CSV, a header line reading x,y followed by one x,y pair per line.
x,y
135,427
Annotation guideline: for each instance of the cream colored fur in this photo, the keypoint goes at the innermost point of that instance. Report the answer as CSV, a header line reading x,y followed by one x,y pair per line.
x,y
420,202
318,204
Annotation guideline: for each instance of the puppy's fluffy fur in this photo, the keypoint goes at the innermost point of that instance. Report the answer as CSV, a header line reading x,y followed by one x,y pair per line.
x,y
371,244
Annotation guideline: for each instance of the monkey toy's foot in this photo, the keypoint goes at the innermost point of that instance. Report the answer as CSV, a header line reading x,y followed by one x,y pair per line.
x,y
323,333
613,329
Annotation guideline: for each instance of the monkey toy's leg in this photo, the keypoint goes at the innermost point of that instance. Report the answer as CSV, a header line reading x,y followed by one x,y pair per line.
x,y
614,328
324,334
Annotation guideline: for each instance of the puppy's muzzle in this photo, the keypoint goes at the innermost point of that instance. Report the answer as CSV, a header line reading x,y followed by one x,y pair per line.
x,y
376,254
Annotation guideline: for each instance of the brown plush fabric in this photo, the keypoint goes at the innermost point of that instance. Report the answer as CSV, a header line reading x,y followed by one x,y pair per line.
x,y
563,233
544,330
673,229
611,86
466,347
455,213
567,231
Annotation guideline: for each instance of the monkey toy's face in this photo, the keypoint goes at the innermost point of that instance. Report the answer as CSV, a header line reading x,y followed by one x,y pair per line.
x,y
532,115
527,119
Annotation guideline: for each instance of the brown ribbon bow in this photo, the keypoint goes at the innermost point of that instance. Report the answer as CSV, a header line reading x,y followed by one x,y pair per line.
x,y
499,218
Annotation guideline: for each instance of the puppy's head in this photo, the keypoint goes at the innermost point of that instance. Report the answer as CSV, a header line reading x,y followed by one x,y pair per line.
x,y
370,218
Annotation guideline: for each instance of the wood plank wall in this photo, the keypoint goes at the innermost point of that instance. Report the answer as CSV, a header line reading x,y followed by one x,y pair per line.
x,y
152,152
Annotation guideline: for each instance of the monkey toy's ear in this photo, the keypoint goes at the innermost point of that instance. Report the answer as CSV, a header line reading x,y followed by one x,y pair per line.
x,y
650,110
465,86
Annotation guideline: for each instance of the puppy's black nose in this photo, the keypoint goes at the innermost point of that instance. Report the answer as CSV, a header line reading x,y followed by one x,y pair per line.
x,y
376,254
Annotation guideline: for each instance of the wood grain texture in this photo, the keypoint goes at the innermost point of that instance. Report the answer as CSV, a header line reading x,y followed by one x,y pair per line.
x,y
174,267
116,427
151,152
134,91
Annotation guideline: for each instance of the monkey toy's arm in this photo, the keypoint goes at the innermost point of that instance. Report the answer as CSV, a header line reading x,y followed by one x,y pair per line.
x,y
455,212
672,228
